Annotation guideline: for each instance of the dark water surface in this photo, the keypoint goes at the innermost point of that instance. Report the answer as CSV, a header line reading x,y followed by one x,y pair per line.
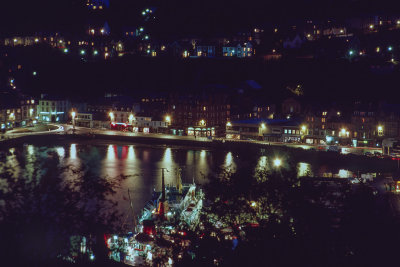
x,y
140,164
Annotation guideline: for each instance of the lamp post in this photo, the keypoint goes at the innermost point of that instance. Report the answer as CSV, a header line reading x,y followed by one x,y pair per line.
x,y
111,114
73,114
131,119
168,119
304,129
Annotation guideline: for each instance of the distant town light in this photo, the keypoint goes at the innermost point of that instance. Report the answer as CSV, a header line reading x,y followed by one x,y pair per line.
x,y
34,73
36,40
83,52
378,49
351,52
147,10
143,13
390,48
303,128
66,50
263,126
141,29
228,124
398,22
371,26
380,128
146,37
95,52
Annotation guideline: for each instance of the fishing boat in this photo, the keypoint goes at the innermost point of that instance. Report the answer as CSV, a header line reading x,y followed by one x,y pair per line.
x,y
161,227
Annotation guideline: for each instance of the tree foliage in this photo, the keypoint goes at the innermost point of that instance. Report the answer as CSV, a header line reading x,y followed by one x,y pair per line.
x,y
44,203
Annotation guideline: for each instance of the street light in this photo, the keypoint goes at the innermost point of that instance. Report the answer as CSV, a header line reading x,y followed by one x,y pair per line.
x,y
73,114
228,124
343,131
202,122
303,128
111,116
263,126
277,162
168,119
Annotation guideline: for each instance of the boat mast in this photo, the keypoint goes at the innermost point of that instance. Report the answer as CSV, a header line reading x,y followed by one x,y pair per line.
x,y
133,214
161,207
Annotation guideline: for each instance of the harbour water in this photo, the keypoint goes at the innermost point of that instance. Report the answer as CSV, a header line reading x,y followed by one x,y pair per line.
x,y
138,165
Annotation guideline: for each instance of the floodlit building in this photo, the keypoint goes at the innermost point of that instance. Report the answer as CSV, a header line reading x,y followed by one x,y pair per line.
x,y
276,130
199,114
29,110
52,109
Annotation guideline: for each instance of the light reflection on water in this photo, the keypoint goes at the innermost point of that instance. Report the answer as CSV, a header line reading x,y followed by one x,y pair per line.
x,y
72,152
304,169
141,165
61,152
229,163
262,163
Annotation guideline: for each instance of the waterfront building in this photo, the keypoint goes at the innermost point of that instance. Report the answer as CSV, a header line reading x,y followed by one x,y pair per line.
x,y
53,109
272,130
199,114
83,120
29,113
